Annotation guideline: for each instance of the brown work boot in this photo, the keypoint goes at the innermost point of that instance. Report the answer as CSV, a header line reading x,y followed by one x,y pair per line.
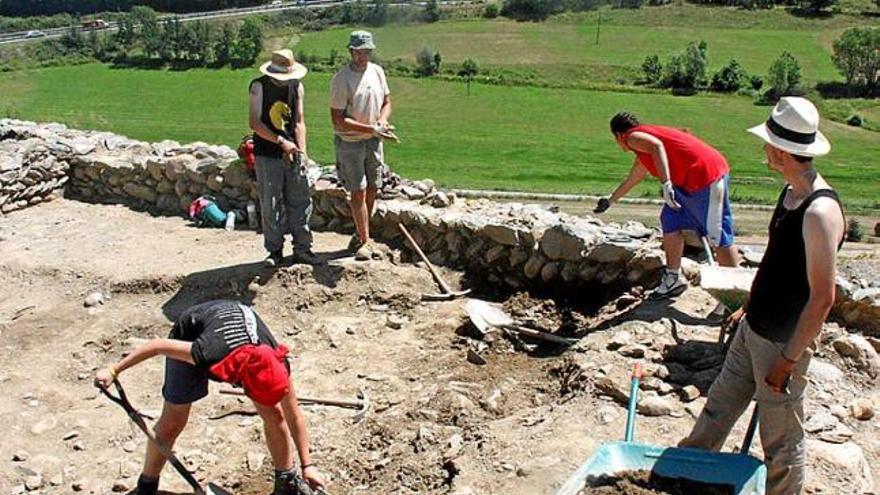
x,y
354,243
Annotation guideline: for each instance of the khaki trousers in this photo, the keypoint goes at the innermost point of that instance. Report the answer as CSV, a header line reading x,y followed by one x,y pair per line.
x,y
781,416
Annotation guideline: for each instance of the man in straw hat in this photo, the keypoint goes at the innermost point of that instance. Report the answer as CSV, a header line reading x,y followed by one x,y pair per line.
x,y
694,178
791,295
225,341
360,106
276,117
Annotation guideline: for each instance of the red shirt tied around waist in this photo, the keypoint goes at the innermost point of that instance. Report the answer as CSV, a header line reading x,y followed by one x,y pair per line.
x,y
693,164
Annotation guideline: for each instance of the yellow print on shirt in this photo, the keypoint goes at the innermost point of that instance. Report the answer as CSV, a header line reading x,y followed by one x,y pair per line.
x,y
279,115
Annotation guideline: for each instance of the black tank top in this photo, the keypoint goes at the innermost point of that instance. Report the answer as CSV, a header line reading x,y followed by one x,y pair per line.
x,y
781,288
278,114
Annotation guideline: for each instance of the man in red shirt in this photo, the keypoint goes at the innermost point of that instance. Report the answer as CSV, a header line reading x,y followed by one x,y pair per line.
x,y
694,177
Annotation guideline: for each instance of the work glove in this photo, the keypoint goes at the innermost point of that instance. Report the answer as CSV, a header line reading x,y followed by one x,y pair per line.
x,y
602,205
669,196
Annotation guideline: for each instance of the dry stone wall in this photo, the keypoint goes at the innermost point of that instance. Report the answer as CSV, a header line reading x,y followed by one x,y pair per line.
x,y
517,245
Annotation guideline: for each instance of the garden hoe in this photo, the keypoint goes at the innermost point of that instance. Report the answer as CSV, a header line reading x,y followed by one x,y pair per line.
x,y
138,419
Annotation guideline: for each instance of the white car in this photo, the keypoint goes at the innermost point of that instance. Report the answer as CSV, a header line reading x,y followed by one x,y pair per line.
x,y
35,34
275,3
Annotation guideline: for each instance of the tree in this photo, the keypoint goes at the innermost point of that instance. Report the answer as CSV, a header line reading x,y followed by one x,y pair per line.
x,y
530,10
729,78
857,57
125,35
469,70
223,45
431,12
491,10
784,76
249,43
378,13
150,32
652,70
426,62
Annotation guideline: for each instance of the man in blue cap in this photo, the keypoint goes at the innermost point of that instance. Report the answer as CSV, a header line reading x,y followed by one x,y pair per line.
x,y
360,106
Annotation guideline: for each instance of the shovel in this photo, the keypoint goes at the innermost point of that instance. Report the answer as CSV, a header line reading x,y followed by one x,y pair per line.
x,y
137,418
485,316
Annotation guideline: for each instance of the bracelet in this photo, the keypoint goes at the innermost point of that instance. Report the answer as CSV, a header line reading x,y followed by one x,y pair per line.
x,y
305,466
113,372
792,361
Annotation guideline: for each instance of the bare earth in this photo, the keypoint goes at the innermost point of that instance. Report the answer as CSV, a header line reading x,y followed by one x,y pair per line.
x,y
520,424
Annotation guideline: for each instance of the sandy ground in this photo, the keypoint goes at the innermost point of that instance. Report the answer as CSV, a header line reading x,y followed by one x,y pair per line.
x,y
519,424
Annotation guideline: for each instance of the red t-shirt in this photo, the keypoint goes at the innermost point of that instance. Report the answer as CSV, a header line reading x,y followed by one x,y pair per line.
x,y
693,164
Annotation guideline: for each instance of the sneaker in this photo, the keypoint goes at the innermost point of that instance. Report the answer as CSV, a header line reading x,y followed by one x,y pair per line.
x,y
355,243
290,483
307,257
671,285
364,253
273,260
147,486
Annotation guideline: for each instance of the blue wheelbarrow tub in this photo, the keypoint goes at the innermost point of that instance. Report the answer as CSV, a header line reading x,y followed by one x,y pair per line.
x,y
747,474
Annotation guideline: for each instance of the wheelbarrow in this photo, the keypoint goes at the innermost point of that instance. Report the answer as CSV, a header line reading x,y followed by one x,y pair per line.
x,y
746,474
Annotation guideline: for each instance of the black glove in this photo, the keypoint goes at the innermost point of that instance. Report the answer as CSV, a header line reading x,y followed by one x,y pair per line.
x,y
602,205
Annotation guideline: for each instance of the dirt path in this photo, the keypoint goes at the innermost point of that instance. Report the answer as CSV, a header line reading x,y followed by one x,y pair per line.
x,y
519,424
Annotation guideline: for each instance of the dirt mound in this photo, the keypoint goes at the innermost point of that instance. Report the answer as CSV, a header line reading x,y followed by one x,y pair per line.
x,y
648,483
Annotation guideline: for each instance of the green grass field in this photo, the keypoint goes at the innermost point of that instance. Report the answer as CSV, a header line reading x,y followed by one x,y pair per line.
x,y
565,47
513,138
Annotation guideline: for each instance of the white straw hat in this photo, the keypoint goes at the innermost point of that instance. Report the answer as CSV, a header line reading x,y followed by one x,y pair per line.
x,y
793,127
283,66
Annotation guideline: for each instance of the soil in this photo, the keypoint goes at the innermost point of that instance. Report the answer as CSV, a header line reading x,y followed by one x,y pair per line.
x,y
647,483
437,424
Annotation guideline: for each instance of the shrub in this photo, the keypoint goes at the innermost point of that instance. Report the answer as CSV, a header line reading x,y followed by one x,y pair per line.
x,y
855,120
854,231
652,70
530,10
427,62
857,57
816,5
431,12
378,13
784,76
756,82
729,78
687,70
468,70
491,10
582,5
630,4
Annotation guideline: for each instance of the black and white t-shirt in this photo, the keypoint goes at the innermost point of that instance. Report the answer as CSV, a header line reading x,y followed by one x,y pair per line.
x,y
216,328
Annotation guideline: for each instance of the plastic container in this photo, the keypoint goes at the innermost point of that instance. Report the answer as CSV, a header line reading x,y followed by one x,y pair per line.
x,y
230,221
252,220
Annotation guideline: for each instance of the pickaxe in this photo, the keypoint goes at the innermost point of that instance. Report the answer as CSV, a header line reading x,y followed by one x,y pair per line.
x,y
362,405
448,294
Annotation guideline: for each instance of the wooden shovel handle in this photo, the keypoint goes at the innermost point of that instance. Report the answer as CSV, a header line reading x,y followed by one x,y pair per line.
x,y
442,283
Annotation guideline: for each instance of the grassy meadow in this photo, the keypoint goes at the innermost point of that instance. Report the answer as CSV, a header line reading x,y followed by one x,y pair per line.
x,y
514,138
509,138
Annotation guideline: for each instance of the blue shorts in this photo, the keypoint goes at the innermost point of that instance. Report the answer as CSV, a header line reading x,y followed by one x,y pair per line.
x,y
706,211
184,383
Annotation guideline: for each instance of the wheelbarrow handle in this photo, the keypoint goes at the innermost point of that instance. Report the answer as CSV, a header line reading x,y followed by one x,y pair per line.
x,y
138,419
633,402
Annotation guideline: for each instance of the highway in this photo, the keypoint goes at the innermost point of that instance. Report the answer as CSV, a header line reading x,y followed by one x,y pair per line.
x,y
21,36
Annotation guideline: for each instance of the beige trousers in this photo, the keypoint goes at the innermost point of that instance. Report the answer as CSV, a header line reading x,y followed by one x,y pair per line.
x,y
781,416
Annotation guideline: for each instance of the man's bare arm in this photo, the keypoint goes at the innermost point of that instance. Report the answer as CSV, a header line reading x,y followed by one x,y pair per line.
x,y
636,174
299,127
822,230
343,123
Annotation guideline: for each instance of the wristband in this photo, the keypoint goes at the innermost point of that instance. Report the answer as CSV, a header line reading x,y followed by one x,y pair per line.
x,y
305,466
279,139
792,361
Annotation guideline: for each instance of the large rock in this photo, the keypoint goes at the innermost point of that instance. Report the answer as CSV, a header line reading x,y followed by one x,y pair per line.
x,y
858,351
568,242
502,234
140,192
846,460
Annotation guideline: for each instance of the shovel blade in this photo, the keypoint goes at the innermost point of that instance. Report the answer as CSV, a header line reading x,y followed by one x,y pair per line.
x,y
214,489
